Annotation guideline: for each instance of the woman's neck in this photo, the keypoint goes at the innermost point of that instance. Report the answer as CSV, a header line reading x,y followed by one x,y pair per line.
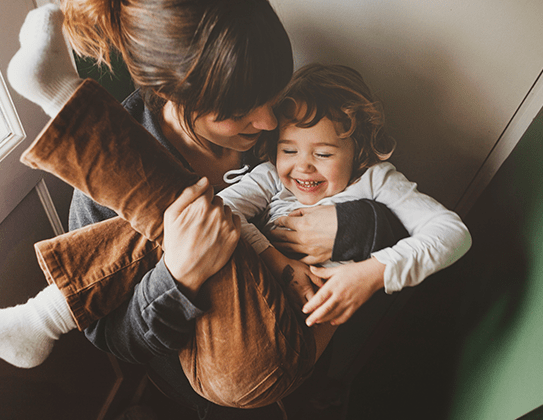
x,y
175,131
205,158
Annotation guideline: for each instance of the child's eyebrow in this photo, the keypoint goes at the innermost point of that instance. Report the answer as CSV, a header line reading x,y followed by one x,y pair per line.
x,y
322,143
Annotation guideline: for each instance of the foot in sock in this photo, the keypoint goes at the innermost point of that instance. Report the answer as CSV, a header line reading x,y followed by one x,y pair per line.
x,y
28,332
43,69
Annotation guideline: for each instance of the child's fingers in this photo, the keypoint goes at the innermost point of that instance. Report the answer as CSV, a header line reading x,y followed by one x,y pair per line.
x,y
308,295
320,298
337,315
316,280
322,313
320,275
341,318
303,289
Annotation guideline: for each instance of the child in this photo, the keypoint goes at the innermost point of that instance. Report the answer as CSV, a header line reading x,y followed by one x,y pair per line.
x,y
330,148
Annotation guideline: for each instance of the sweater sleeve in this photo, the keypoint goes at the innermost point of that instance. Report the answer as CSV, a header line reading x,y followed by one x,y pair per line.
x,y
84,211
249,198
155,320
364,226
437,236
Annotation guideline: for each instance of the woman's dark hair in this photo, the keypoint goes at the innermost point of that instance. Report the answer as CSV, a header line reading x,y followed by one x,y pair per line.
x,y
339,94
206,56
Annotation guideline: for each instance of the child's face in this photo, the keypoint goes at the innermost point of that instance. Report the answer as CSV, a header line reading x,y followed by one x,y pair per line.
x,y
314,163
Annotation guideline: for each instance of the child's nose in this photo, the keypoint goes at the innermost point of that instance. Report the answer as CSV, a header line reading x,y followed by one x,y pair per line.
x,y
304,164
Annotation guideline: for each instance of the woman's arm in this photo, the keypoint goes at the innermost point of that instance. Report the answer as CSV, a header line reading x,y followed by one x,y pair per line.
x,y
438,238
309,231
129,332
345,231
200,235
156,320
84,211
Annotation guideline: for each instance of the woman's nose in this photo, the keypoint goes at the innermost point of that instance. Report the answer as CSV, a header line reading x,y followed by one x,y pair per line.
x,y
263,118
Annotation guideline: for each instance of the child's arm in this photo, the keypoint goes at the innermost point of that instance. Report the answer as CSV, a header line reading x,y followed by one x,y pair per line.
x,y
249,198
295,275
438,237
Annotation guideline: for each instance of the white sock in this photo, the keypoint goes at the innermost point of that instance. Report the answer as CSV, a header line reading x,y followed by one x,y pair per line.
x,y
28,332
43,70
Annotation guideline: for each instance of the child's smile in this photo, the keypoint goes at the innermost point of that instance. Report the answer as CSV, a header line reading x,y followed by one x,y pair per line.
x,y
308,184
314,163
308,188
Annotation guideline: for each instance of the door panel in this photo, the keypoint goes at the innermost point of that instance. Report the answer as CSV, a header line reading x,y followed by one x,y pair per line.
x,y
23,117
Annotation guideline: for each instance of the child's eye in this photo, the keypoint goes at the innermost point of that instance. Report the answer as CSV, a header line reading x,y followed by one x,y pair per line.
x,y
288,151
324,155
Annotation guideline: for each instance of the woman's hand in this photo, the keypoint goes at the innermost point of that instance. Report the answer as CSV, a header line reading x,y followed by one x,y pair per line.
x,y
200,235
347,287
310,231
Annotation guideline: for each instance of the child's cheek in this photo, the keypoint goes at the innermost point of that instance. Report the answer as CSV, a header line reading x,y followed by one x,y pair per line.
x,y
282,168
340,176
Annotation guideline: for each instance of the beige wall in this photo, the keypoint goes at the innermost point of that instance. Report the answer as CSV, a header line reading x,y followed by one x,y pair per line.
x,y
451,74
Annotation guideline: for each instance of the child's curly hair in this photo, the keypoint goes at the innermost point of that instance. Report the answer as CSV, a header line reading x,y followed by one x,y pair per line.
x,y
339,94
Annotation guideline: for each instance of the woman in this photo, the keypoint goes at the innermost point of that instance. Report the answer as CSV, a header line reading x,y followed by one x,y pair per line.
x,y
208,73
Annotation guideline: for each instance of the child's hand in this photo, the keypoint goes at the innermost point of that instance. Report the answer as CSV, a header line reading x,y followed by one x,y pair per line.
x,y
347,287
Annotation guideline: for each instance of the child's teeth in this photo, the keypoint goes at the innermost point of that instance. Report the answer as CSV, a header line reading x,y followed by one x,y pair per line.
x,y
309,183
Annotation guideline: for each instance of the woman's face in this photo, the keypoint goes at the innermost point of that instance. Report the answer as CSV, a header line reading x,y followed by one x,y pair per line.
x,y
239,134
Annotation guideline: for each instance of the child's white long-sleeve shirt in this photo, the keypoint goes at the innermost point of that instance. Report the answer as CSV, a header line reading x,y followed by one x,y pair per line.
x,y
438,237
